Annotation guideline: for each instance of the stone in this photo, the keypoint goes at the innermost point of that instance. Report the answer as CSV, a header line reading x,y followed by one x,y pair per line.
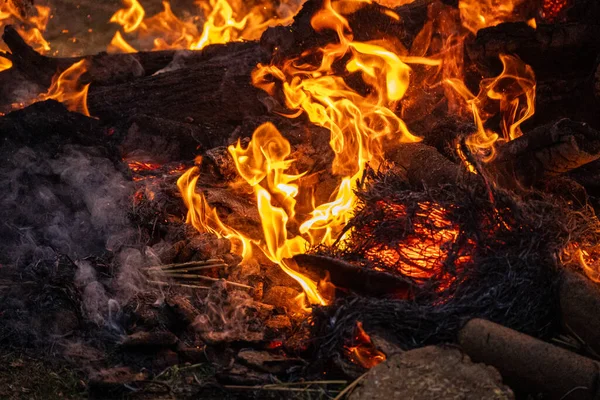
x,y
431,373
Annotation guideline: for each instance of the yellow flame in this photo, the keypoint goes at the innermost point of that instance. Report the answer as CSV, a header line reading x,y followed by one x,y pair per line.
x,y
263,165
224,21
68,89
119,45
5,64
362,121
479,14
131,17
512,93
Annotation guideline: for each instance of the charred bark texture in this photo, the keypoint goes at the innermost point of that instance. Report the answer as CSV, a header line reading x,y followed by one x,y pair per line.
x,y
215,91
546,151
104,68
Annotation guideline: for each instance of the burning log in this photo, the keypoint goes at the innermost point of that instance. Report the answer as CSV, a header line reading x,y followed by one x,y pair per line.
x,y
370,21
546,151
355,278
531,363
579,304
103,68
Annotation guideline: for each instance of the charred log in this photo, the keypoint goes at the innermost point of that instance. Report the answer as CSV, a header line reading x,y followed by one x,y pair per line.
x,y
423,164
213,91
370,22
567,47
546,151
103,68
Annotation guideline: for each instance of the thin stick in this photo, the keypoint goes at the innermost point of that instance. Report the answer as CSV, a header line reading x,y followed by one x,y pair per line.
x,y
275,389
206,278
159,283
211,262
177,270
187,264
350,387
308,383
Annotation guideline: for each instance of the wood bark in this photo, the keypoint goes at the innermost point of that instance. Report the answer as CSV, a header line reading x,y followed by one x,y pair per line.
x,y
529,363
544,152
104,68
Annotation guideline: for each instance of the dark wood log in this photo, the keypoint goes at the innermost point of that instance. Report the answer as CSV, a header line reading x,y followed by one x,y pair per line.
x,y
580,305
549,49
214,92
546,151
31,69
423,164
342,274
529,363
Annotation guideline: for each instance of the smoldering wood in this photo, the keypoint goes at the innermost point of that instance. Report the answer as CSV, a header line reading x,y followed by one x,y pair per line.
x,y
579,304
531,363
355,278
546,151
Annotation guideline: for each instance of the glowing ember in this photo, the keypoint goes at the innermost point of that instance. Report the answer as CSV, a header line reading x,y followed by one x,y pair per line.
x,y
362,351
137,166
552,9
422,251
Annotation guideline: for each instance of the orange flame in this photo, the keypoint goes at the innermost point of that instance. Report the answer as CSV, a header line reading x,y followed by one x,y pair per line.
x,y
479,14
262,165
30,27
119,45
68,89
5,64
131,17
363,352
361,121
224,21
512,93
359,124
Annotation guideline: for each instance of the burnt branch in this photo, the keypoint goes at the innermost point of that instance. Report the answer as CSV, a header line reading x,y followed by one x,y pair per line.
x,y
546,151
